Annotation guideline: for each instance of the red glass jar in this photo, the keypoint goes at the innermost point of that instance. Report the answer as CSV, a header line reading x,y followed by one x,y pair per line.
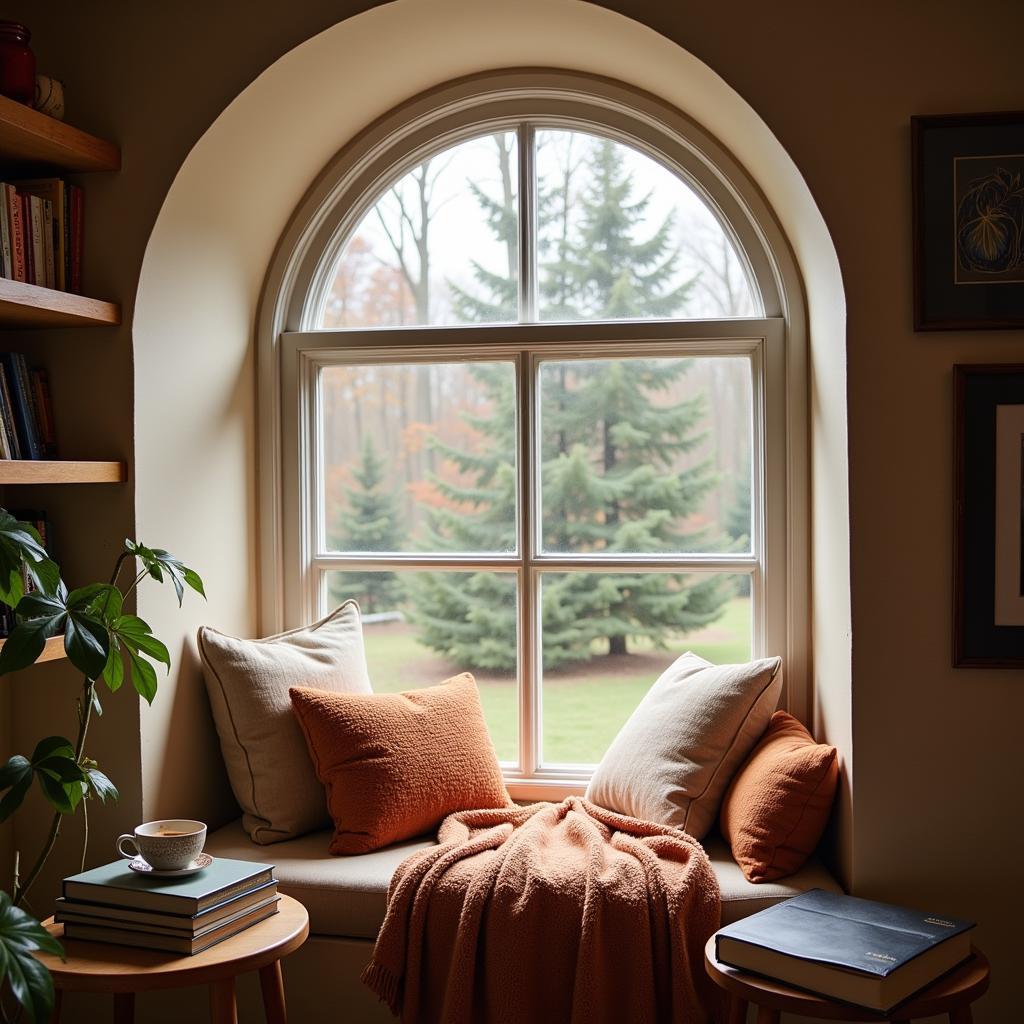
x,y
17,63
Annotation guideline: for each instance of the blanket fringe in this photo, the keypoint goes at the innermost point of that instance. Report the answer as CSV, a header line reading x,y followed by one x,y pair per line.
x,y
384,983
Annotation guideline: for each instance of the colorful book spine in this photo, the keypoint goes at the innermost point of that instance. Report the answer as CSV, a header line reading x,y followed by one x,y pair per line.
x,y
37,227
21,406
15,215
7,412
49,255
5,241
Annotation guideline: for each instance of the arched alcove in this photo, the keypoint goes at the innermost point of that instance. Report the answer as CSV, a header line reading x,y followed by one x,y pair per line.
x,y
229,207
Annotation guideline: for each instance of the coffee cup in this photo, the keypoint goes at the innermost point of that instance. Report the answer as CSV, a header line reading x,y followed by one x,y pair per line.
x,y
166,845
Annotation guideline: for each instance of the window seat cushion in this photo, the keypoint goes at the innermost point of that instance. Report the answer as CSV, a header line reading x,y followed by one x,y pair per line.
x,y
347,896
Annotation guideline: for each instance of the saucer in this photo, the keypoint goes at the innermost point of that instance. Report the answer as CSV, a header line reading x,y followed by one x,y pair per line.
x,y
204,860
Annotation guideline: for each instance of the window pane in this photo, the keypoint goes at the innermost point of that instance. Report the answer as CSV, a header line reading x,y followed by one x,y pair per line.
x,y
419,457
646,456
619,236
606,637
440,246
421,628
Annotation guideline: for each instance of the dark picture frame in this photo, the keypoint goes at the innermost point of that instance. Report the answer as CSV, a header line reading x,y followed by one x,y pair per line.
x,y
988,516
968,199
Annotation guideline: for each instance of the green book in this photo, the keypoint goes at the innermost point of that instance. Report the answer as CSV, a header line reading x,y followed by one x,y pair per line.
x,y
117,885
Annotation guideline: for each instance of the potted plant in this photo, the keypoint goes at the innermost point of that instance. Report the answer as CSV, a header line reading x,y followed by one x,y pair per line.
x,y
105,643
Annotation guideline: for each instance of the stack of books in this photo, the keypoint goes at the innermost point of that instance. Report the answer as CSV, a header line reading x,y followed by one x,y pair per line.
x,y
858,951
41,233
179,914
27,426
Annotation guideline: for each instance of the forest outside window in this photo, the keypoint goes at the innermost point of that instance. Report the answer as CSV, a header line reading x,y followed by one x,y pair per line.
x,y
534,435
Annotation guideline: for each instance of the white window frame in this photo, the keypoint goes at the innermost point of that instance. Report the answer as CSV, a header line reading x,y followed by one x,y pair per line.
x,y
292,352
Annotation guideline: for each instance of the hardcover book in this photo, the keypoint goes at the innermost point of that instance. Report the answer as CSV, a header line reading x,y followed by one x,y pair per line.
x,y
859,951
183,924
117,885
174,943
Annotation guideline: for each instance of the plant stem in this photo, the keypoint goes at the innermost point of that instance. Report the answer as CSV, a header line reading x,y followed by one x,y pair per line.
x,y
21,892
85,834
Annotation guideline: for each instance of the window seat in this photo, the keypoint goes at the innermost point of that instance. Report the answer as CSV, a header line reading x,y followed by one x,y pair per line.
x,y
347,896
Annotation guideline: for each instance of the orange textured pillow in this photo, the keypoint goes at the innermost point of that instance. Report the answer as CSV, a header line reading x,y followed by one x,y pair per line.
x,y
779,802
396,764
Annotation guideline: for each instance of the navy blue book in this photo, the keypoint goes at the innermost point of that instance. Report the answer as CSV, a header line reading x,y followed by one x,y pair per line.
x,y
21,406
859,951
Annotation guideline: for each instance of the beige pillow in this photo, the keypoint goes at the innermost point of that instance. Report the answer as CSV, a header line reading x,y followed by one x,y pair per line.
x,y
264,749
672,761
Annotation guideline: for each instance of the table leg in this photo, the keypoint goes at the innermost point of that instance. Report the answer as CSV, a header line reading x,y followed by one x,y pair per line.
x,y
737,1009
223,1009
961,1015
272,985
765,1015
124,1008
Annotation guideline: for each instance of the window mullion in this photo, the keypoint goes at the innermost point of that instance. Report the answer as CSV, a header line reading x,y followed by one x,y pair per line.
x,y
527,221
529,699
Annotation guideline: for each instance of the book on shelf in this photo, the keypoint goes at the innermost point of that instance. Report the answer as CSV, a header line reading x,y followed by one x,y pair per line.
x,y
184,914
859,951
41,233
117,885
27,423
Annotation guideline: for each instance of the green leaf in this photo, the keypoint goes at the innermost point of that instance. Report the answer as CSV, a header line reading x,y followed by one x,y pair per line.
x,y
27,641
29,981
20,547
159,562
113,671
16,778
52,746
143,676
63,796
87,643
62,769
100,785
135,633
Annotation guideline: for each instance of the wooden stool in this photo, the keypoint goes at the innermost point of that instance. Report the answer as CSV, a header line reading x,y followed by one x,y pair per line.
x,y
124,970
951,994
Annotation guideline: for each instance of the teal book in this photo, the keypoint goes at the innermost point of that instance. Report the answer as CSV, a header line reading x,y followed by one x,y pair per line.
x,y
117,885
860,951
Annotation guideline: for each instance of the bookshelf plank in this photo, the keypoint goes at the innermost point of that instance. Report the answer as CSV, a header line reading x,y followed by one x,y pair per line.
x,y
53,651
29,305
28,137
60,471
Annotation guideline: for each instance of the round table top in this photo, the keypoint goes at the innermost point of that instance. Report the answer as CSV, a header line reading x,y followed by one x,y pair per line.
x,y
103,967
961,986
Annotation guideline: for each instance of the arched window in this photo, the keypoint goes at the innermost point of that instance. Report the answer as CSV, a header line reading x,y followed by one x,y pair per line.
x,y
533,404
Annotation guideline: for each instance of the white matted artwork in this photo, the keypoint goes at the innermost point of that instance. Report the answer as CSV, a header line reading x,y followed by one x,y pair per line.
x,y
1009,516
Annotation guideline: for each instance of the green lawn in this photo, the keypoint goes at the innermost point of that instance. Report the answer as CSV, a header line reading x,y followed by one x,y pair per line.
x,y
583,707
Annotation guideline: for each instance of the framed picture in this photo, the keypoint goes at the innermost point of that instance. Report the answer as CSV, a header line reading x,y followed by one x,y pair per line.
x,y
968,173
988,516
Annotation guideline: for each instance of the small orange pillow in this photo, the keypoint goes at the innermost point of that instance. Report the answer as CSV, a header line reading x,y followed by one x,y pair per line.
x,y
396,764
778,804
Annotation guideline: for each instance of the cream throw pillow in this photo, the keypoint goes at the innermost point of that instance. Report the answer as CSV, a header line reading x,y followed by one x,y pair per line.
x,y
672,761
264,749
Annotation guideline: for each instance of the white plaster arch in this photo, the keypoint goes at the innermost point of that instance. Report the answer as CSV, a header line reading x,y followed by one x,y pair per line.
x,y
229,205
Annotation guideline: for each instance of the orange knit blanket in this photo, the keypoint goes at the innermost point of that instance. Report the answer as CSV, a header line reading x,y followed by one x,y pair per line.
x,y
555,912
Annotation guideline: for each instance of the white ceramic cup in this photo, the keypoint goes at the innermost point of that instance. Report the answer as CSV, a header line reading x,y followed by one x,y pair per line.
x,y
166,845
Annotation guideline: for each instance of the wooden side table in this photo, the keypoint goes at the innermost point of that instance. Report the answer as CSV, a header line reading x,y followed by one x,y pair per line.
x,y
951,994
124,970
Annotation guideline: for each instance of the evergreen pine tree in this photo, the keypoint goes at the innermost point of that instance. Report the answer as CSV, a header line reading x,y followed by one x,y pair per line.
x,y
608,452
370,522
737,524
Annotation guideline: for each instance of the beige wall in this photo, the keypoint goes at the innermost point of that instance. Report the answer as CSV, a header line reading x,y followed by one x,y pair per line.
x,y
836,84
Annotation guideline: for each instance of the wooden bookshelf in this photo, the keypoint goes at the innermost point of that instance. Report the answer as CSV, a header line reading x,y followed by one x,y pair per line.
x,y
61,471
31,139
29,305
53,650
